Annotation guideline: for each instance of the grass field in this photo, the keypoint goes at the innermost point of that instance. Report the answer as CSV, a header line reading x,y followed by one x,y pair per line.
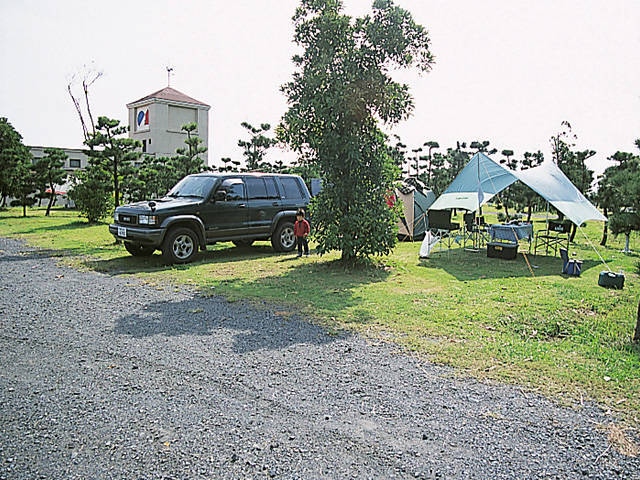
x,y
518,321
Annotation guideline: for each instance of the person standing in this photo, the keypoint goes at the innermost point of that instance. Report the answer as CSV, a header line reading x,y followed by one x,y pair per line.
x,y
301,230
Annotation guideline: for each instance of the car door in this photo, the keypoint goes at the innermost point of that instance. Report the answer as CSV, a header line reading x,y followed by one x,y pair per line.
x,y
264,203
228,215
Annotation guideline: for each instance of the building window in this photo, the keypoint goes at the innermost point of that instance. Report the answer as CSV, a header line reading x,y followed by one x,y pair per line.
x,y
144,146
74,163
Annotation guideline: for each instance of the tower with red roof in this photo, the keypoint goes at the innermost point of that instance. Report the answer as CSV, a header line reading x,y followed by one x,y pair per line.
x,y
157,119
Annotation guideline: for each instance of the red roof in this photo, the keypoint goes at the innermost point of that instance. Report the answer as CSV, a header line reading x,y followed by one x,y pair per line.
x,y
170,94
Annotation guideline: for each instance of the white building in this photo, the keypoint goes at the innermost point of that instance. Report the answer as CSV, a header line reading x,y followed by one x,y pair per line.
x,y
157,119
77,159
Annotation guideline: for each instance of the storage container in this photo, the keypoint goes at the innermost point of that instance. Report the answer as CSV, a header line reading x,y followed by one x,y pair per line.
x,y
504,250
611,280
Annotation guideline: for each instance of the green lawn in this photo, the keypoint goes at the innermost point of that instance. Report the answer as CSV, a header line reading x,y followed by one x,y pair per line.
x,y
512,321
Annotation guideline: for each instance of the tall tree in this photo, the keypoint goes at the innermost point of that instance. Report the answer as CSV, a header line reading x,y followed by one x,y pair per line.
x,y
527,198
572,163
154,178
49,172
25,183
229,165
619,194
255,149
13,154
430,165
507,196
340,90
188,159
112,152
447,166
415,160
519,196
482,146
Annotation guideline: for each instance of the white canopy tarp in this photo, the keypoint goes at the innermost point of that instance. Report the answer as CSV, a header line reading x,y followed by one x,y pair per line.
x,y
482,178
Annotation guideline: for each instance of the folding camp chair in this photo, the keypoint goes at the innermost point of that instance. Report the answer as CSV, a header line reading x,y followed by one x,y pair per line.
x,y
571,266
469,232
475,232
440,223
556,235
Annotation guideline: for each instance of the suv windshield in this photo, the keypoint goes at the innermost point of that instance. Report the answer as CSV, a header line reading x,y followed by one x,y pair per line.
x,y
192,186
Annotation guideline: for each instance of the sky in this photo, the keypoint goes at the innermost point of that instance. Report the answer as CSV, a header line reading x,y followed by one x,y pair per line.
x,y
507,71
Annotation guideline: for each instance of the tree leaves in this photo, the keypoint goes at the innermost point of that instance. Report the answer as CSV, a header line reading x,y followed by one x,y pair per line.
x,y
339,93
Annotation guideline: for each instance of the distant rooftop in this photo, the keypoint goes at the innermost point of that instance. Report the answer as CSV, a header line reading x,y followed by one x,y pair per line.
x,y
170,94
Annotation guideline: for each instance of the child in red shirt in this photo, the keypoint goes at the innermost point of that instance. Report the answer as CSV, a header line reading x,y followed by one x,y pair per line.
x,y
301,230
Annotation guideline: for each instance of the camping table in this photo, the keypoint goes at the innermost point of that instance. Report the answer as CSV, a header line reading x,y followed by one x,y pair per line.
x,y
511,232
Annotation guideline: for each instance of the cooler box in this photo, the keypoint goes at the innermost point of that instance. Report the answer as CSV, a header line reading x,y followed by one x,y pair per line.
x,y
611,280
506,251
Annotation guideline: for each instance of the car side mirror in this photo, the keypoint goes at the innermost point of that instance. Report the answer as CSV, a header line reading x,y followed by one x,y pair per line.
x,y
220,196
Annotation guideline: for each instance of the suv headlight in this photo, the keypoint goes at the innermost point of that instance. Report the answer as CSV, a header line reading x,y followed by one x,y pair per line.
x,y
147,219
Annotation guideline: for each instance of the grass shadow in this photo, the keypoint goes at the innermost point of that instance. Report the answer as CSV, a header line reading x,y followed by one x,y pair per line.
x,y
316,285
466,265
36,229
250,329
219,254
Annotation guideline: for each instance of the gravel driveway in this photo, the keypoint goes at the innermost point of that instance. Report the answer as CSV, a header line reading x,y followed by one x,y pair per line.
x,y
106,378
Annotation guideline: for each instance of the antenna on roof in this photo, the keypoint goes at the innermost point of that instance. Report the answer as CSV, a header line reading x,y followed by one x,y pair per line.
x,y
169,70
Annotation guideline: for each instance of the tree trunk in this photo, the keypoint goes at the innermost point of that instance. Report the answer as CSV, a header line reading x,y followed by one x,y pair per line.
x,y
52,198
627,237
636,336
574,230
605,230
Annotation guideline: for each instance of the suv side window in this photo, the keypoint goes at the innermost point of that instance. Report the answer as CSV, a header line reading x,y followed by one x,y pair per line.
x,y
256,188
272,190
291,188
262,188
234,188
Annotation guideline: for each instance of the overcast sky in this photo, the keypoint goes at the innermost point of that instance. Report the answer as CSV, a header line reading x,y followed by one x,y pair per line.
x,y
507,71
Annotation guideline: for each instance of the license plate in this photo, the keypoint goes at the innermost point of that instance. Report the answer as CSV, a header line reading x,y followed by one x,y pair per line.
x,y
122,232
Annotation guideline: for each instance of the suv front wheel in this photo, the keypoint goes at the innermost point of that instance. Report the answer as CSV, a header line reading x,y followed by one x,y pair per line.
x,y
283,239
180,246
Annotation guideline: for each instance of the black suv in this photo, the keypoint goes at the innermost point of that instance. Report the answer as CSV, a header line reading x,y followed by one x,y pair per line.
x,y
206,208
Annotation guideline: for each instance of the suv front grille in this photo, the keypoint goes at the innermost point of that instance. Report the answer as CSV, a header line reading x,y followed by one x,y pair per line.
x,y
127,219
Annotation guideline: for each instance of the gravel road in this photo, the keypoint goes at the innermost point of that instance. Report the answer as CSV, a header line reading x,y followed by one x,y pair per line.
x,y
106,378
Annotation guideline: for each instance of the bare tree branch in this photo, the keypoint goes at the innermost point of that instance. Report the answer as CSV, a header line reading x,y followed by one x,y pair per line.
x,y
89,76
87,81
78,109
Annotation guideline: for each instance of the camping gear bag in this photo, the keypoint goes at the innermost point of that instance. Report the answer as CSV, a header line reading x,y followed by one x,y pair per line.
x,y
611,280
574,268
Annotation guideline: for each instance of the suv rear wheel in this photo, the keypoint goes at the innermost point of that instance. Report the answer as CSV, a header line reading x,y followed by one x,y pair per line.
x,y
180,246
283,239
139,250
